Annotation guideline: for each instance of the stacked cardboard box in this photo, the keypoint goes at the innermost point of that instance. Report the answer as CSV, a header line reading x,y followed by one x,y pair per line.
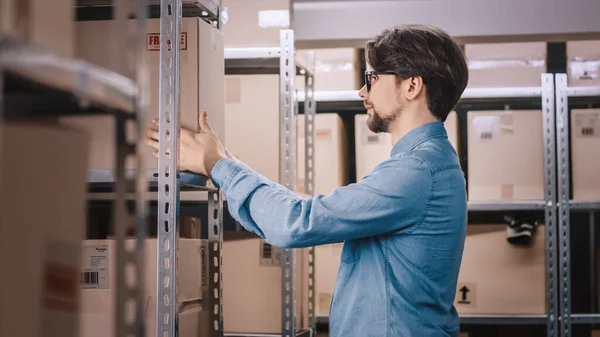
x,y
98,294
201,88
583,63
42,212
337,69
518,64
585,142
48,24
506,155
493,273
330,153
252,277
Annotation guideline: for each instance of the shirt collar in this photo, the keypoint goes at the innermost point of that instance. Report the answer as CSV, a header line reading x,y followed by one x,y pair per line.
x,y
419,135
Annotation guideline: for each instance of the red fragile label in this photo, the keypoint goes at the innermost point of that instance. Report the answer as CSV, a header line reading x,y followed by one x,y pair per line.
x,y
153,42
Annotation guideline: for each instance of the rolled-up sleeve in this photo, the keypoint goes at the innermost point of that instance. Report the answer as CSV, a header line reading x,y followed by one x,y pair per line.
x,y
393,198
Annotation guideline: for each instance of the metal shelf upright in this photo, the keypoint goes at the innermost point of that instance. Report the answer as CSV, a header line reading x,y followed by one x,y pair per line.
x,y
543,95
564,96
287,62
38,82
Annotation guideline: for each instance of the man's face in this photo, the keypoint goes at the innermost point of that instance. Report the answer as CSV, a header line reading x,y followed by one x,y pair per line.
x,y
382,102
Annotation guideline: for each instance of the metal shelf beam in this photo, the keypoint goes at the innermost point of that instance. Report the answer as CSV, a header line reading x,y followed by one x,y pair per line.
x,y
208,9
303,333
87,83
264,60
584,205
506,205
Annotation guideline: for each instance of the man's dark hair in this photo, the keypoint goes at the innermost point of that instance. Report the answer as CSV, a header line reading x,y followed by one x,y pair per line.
x,y
425,51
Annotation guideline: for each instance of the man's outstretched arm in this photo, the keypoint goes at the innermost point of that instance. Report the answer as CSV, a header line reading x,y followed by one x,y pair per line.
x,y
393,198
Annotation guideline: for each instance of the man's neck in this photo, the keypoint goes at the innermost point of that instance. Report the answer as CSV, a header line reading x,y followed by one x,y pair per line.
x,y
408,121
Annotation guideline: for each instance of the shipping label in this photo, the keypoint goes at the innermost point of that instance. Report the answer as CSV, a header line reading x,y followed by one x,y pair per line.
x,y
94,272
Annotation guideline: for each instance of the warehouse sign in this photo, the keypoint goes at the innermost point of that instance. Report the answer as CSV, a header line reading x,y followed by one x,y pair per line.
x,y
153,42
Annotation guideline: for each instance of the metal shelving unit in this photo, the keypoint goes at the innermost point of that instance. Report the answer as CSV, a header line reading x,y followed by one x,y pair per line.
x,y
564,96
287,63
350,101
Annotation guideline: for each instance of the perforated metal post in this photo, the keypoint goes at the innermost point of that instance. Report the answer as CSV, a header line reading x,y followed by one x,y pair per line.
x,y
550,198
562,127
287,172
215,242
168,180
309,146
128,47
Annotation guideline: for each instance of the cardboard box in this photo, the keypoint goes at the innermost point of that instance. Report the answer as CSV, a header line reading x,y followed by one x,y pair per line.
x,y
506,155
201,82
330,153
326,270
337,69
252,284
374,148
48,24
519,64
583,63
497,277
585,142
42,216
255,23
98,283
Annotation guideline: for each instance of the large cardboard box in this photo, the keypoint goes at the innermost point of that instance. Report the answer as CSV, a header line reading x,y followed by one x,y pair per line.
x,y
256,23
497,277
337,69
42,212
48,24
519,64
98,283
330,153
583,63
201,86
326,268
252,284
374,148
585,144
506,155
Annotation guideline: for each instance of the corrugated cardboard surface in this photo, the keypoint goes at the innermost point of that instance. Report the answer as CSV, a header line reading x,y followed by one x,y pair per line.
x,y
252,277
255,23
49,24
326,267
330,153
506,155
501,278
42,221
583,63
519,64
337,69
585,147
97,303
202,82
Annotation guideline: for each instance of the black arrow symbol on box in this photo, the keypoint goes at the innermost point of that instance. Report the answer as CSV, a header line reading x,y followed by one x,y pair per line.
x,y
464,290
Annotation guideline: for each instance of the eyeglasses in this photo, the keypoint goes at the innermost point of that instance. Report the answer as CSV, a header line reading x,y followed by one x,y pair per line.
x,y
371,74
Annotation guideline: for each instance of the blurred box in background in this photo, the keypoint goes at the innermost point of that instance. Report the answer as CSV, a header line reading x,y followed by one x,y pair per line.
x,y
519,64
49,24
506,155
583,63
337,69
255,23
42,222
585,162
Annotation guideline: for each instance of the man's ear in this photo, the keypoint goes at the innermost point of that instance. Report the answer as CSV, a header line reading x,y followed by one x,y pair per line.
x,y
415,87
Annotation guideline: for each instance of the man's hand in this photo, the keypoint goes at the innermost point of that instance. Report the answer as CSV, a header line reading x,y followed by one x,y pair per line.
x,y
198,152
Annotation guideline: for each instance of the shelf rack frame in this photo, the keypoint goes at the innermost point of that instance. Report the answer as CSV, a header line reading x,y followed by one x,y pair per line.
x,y
288,63
566,205
331,100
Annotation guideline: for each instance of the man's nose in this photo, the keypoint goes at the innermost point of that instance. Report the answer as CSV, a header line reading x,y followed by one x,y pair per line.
x,y
363,92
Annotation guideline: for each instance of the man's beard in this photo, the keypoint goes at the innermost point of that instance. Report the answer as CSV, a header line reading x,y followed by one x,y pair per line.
x,y
378,124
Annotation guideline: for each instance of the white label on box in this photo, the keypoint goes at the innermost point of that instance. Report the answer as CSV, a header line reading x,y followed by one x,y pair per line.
x,y
94,271
487,127
270,256
587,125
274,18
585,70
369,137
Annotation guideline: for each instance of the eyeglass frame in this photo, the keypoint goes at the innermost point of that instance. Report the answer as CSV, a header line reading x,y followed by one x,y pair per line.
x,y
368,75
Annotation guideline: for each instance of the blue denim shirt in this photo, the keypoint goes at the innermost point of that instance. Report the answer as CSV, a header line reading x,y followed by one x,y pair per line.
x,y
403,228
